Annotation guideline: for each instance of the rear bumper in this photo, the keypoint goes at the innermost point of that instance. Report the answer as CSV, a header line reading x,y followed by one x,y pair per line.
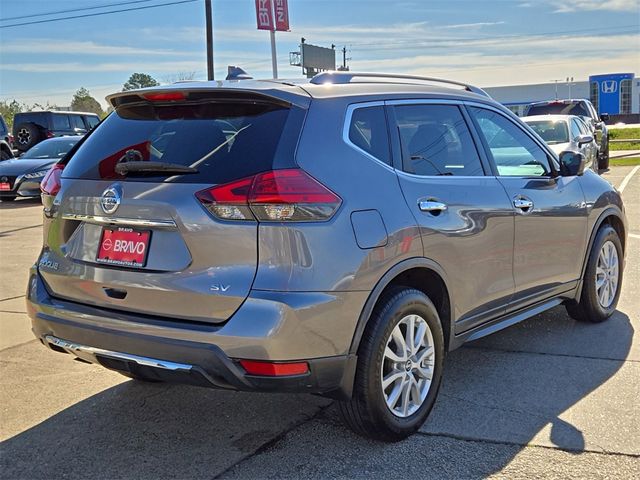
x,y
206,355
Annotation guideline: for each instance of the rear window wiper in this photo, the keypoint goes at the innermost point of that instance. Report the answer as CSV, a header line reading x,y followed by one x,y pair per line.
x,y
153,167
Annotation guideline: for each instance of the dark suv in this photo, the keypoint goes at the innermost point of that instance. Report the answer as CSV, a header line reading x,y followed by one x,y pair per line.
x,y
582,108
29,128
5,141
336,237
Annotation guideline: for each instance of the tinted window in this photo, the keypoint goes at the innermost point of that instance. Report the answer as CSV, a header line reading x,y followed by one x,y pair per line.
x,y
92,121
76,122
368,131
514,152
552,132
55,148
223,141
436,141
60,122
559,108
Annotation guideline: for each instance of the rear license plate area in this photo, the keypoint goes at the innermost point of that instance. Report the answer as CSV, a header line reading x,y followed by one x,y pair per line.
x,y
124,247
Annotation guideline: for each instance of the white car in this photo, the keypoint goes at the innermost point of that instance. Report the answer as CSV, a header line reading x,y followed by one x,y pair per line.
x,y
566,132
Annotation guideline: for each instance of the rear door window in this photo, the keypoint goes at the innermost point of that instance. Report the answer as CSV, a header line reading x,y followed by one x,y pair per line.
x,y
224,141
76,122
435,140
60,121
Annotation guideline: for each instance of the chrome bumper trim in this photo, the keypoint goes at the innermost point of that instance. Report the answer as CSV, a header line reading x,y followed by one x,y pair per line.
x,y
83,350
128,222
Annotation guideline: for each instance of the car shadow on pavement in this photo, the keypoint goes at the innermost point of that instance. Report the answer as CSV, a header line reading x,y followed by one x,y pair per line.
x,y
498,395
20,203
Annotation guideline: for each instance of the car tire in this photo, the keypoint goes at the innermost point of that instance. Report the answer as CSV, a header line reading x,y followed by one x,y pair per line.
x,y
602,279
27,135
603,160
8,198
370,411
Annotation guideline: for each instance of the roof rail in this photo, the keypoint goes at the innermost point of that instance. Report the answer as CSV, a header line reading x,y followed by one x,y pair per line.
x,y
346,77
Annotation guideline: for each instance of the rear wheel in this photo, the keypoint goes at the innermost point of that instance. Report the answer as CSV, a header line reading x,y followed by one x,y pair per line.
x,y
602,279
400,363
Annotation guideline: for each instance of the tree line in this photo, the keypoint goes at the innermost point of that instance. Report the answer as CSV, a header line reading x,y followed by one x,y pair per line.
x,y
82,101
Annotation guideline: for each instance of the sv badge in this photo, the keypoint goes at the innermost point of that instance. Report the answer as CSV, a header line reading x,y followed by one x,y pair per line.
x,y
218,287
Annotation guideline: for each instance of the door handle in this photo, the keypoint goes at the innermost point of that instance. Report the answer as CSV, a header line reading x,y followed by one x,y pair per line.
x,y
432,206
523,204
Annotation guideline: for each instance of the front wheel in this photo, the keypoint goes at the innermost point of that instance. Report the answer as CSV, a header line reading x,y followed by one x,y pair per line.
x,y
603,159
602,279
400,363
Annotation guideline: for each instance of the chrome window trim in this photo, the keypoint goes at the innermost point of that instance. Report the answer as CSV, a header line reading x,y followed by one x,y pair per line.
x,y
127,222
347,126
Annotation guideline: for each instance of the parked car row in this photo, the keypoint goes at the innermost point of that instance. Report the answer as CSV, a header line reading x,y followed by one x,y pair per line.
x,y
41,139
585,110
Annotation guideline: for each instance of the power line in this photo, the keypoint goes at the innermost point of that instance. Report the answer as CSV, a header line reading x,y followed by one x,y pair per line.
x,y
45,14
97,14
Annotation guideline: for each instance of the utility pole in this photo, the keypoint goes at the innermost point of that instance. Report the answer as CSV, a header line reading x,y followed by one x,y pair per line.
x,y
344,57
209,18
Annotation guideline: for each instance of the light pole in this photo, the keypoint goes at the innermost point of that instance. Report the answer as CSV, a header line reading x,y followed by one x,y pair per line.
x,y
570,82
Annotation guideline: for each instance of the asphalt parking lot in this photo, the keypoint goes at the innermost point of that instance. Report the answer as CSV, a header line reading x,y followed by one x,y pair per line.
x,y
545,398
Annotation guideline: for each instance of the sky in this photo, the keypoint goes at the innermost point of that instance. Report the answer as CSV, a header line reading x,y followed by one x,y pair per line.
x,y
483,42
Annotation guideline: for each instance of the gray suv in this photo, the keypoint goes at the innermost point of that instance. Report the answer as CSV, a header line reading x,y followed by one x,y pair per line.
x,y
336,237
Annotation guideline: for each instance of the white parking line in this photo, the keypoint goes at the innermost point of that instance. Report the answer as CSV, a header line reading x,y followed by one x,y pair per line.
x,y
627,178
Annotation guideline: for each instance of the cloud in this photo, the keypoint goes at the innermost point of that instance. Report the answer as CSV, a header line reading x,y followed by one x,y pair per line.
x,y
56,46
565,6
473,25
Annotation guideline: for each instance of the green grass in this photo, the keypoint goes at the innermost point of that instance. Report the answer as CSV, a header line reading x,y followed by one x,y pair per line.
x,y
624,146
624,162
623,133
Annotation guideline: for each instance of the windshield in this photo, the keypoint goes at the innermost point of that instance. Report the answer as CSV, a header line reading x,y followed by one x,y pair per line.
x,y
559,108
552,132
222,141
57,148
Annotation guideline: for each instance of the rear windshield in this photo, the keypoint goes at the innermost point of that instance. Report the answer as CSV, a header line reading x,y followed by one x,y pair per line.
x,y
224,141
573,108
552,132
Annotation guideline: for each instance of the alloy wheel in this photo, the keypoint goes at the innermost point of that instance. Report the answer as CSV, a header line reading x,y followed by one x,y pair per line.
x,y
407,366
607,274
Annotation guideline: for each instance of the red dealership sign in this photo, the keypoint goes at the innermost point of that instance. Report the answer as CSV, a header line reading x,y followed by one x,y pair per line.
x,y
264,14
272,15
281,15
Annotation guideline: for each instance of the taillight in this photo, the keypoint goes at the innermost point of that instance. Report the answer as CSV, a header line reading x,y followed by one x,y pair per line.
x,y
272,369
51,182
50,134
276,196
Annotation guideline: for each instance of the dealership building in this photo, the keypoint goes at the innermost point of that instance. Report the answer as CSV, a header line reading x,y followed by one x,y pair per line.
x,y
612,93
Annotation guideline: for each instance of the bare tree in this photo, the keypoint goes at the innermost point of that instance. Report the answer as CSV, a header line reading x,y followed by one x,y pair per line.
x,y
179,77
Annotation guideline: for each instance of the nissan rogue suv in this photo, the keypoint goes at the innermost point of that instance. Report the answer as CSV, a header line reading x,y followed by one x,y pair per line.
x,y
335,237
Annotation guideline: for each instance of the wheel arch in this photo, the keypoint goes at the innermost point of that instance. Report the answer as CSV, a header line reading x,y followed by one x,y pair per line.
x,y
420,273
615,218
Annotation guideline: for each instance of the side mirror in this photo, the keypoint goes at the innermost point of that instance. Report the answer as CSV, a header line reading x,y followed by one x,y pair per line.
x,y
604,117
572,164
582,139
